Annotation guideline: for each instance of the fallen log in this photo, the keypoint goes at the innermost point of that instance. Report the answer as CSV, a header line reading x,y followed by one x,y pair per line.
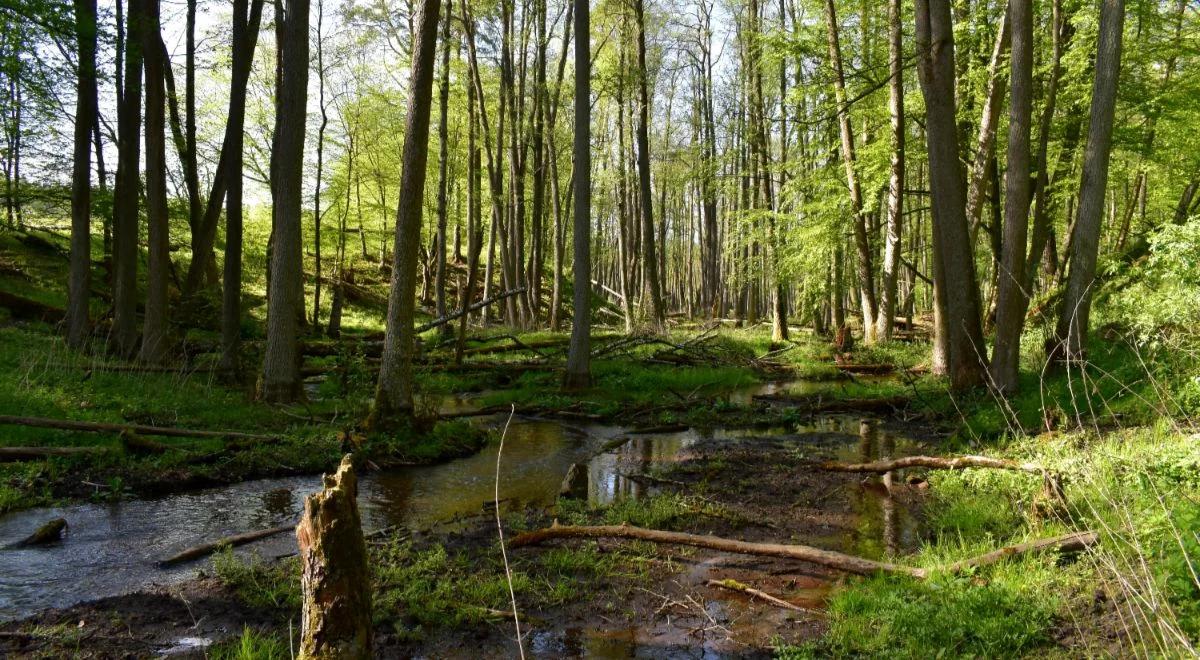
x,y
933,463
828,558
106,427
867,369
206,549
819,404
516,345
1073,542
734,585
29,309
38,453
438,322
50,532
662,428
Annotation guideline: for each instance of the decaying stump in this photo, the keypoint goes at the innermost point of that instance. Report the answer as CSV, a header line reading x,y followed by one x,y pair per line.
x,y
336,619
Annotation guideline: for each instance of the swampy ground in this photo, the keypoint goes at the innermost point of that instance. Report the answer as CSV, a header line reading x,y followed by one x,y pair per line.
x,y
710,430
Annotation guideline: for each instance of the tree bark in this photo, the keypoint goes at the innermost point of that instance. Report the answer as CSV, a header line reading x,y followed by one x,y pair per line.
x,y
125,192
443,167
1011,296
578,372
281,373
956,290
394,391
1071,332
154,326
649,258
79,284
335,577
895,200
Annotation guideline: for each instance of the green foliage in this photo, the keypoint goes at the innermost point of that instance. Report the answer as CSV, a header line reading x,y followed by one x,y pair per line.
x,y
274,586
1164,299
251,645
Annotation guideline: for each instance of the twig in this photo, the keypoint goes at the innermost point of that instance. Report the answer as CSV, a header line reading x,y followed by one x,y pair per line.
x,y
500,530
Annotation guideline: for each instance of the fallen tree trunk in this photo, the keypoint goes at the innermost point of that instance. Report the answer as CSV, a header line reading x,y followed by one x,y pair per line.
x,y
106,427
734,585
825,405
867,369
335,583
29,309
37,453
831,559
934,463
516,345
1073,542
206,549
438,322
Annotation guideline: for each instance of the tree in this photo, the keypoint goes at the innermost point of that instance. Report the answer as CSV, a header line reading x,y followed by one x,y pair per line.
x,y
956,293
895,199
245,36
649,260
1071,332
281,373
443,168
79,287
394,391
154,325
578,373
1010,305
125,192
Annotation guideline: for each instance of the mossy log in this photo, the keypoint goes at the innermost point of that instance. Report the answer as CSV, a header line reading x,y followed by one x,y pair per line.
x,y
336,616
50,532
933,463
40,453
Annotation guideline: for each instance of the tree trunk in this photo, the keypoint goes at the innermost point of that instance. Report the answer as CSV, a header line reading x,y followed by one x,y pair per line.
x,y
281,373
649,258
863,267
895,200
125,191
245,36
394,391
578,373
79,285
335,580
985,142
956,290
154,326
1071,332
443,167
1011,295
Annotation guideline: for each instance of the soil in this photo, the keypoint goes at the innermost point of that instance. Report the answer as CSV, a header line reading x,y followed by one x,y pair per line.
x,y
763,488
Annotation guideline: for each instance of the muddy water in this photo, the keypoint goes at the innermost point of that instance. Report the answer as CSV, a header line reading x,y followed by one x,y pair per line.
x,y
112,548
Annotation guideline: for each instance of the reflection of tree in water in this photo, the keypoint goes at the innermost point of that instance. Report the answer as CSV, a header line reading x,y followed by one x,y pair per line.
x,y
879,522
279,502
607,480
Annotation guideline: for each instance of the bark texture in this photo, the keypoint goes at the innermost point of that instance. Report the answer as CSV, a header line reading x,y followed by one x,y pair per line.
x,y
578,374
335,582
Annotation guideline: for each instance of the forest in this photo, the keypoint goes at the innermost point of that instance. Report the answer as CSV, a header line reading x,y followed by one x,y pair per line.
x,y
347,329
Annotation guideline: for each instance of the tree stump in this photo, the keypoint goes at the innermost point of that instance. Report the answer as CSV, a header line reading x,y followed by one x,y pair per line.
x,y
336,619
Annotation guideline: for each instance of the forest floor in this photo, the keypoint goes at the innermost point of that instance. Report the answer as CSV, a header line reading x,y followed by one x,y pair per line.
x,y
1131,466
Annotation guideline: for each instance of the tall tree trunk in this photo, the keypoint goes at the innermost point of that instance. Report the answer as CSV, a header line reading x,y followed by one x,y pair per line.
x,y
125,191
649,258
245,36
443,169
394,392
79,285
154,325
319,275
985,141
281,373
956,289
863,267
895,199
1011,295
1072,329
578,373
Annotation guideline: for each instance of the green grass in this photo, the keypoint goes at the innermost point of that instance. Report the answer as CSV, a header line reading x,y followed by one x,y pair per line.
x,y
274,586
251,645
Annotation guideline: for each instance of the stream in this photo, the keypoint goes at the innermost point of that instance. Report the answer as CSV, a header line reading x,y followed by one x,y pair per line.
x,y
112,548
